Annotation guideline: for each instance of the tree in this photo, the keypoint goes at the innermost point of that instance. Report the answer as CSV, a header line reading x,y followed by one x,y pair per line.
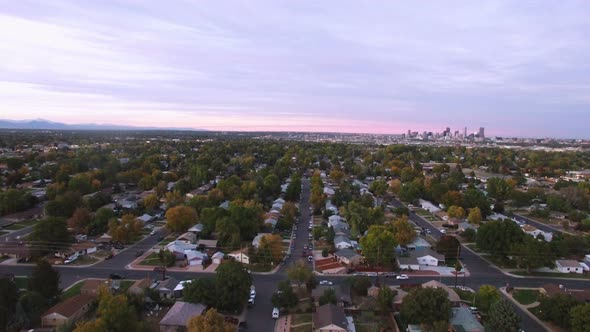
x,y
51,235
126,230
385,299
496,237
448,245
30,307
469,234
359,285
166,258
211,321
200,291
458,268
271,247
580,318
8,299
232,286
532,254
486,296
45,281
293,191
116,313
475,198
498,188
180,218
300,273
501,317
96,325
329,296
80,221
378,246
455,211
557,309
151,202
378,187
285,297
100,223
425,306
271,186
474,216
404,232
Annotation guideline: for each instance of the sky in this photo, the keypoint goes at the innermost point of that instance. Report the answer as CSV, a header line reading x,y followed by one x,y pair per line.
x,y
517,68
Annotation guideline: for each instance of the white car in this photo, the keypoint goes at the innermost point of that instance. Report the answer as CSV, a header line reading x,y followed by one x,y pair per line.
x,y
310,258
371,274
70,260
153,232
443,231
402,277
251,300
326,282
275,313
252,293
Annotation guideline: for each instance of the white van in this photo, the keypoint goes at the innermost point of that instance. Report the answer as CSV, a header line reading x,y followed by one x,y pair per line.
x,y
275,313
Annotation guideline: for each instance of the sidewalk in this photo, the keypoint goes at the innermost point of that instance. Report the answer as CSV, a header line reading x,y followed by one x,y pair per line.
x,y
525,309
283,324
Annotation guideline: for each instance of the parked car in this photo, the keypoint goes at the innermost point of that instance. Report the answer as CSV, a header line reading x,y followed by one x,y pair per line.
x,y
109,256
275,313
153,232
402,277
139,253
116,276
71,259
310,258
304,247
251,301
390,274
252,293
326,282
443,231
371,274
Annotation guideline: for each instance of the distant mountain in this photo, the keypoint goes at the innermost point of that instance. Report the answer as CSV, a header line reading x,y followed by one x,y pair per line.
x,y
46,124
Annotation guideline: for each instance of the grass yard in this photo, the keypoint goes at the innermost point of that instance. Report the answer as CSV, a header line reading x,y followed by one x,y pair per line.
x,y
21,282
151,259
502,262
72,291
297,319
466,296
125,284
366,327
303,328
525,296
85,260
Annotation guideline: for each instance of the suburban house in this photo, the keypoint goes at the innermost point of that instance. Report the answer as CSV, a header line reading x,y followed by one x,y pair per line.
x,y
194,257
177,317
139,286
414,259
15,249
342,242
187,238
452,295
568,266
179,289
180,248
428,206
165,287
335,220
329,191
92,286
207,244
534,231
67,311
408,263
463,320
197,229
330,318
582,295
145,218
240,256
465,226
272,222
83,248
418,244
217,258
331,207
349,257
104,239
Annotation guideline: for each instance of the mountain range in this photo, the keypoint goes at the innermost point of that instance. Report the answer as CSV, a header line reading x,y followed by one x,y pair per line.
x,y
51,125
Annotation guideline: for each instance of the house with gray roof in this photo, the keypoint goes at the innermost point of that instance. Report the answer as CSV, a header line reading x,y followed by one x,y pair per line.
x,y
177,317
330,318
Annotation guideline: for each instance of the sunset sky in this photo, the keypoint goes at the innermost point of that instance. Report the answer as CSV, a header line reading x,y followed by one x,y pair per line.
x,y
518,68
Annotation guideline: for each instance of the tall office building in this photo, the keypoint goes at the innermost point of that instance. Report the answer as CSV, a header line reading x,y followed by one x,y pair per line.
x,y
481,133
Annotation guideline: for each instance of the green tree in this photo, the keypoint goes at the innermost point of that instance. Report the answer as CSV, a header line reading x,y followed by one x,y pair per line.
x,y
271,186
557,309
232,286
293,191
285,297
180,218
30,307
474,216
498,189
96,325
496,237
200,290
100,223
329,296
580,318
378,246
532,254
404,232
475,198
469,234
211,321
449,246
51,235
45,281
385,299
501,317
8,299
486,296
126,230
359,285
299,273
116,313
166,258
80,221
425,306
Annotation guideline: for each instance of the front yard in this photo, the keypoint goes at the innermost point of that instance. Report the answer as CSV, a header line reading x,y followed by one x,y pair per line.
x,y
151,259
525,296
553,274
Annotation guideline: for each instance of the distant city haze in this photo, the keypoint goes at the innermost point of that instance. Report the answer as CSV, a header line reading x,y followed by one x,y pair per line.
x,y
517,68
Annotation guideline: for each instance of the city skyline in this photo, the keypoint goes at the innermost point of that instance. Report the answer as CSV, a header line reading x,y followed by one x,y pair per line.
x,y
517,69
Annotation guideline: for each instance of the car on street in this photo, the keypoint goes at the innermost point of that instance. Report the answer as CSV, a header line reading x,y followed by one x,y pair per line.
x,y
252,293
109,256
310,258
275,313
71,259
138,253
326,282
402,277
304,247
428,231
389,274
153,232
116,276
251,301
160,238
371,274
443,231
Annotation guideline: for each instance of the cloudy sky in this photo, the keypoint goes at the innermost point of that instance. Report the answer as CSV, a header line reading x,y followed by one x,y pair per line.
x,y
515,67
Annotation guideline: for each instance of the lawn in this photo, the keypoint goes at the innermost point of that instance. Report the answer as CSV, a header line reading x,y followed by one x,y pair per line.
x,y
21,282
525,296
3,258
551,274
300,319
125,284
260,267
28,223
151,259
366,327
72,291
85,260
15,227
502,262
303,328
464,295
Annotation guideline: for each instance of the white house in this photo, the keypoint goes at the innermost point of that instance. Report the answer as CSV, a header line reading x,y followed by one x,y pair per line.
x,y
331,207
187,238
271,221
426,205
568,266
277,206
194,257
534,231
335,221
217,257
178,248
145,218
198,228
342,242
279,200
240,256
329,191
430,258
